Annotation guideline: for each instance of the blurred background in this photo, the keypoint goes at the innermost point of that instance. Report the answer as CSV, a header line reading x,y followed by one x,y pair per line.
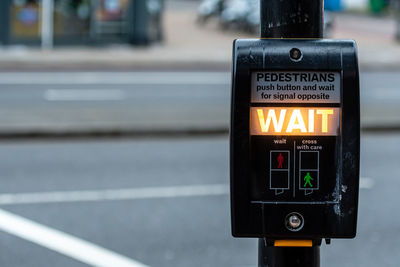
x,y
114,121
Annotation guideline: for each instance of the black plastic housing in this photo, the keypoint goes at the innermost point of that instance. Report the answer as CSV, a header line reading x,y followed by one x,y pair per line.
x,y
322,219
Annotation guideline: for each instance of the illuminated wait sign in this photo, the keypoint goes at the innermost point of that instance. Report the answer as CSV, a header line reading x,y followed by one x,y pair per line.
x,y
294,121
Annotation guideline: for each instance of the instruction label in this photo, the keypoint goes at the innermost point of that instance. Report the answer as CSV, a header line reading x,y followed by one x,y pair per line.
x,y
295,87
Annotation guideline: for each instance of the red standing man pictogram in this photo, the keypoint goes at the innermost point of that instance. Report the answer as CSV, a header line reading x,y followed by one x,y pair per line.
x,y
280,161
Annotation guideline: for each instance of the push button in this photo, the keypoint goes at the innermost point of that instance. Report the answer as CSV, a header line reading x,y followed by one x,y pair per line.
x,y
294,221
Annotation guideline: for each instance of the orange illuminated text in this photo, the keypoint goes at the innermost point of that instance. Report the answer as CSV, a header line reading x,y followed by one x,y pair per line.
x,y
294,121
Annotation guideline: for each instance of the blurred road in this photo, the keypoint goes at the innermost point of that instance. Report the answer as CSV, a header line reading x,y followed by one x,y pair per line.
x,y
113,102
71,186
140,102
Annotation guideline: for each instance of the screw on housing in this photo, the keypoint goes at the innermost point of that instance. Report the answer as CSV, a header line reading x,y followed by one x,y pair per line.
x,y
295,54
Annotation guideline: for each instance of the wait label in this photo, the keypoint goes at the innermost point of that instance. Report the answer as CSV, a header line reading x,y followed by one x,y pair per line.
x,y
294,121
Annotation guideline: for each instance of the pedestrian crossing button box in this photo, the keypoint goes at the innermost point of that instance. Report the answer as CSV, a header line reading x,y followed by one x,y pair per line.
x,y
294,139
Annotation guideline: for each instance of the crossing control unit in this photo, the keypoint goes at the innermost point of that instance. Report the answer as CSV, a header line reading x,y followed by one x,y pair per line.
x,y
294,140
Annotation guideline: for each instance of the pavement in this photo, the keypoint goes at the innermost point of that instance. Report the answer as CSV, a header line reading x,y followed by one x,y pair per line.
x,y
188,45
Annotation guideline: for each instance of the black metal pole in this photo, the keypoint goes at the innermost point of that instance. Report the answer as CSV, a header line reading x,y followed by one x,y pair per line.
x,y
292,19
287,256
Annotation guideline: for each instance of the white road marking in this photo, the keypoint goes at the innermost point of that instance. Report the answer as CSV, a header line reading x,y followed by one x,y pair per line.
x,y
129,193
63,243
366,183
115,194
119,78
84,95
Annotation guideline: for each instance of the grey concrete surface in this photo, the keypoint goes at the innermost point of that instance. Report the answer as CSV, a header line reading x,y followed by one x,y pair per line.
x,y
181,231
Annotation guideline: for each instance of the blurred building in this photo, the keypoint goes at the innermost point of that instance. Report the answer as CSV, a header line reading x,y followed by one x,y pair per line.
x,y
82,21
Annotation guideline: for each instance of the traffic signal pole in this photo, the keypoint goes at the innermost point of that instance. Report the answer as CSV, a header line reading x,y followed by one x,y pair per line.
x,y
271,256
290,19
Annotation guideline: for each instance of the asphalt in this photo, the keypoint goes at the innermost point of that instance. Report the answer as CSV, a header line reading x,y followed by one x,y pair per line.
x,y
173,231
116,104
144,104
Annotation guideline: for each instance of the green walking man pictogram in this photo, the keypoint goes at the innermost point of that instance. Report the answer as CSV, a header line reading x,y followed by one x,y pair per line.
x,y
308,179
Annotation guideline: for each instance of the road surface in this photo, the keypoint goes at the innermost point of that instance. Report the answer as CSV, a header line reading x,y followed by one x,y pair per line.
x,y
149,101
162,202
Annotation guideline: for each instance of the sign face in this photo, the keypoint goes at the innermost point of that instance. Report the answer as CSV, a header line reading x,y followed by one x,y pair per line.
x,y
295,87
294,148
294,121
